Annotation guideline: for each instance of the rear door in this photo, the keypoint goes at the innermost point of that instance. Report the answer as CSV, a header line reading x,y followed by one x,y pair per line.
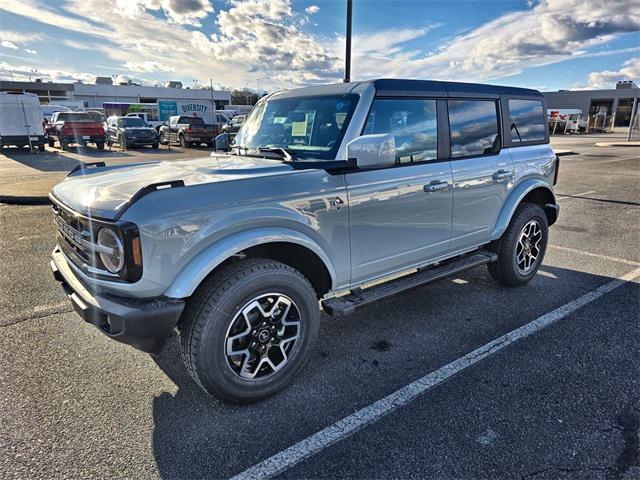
x,y
401,216
482,170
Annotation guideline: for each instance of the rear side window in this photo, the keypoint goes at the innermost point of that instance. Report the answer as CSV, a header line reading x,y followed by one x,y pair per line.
x,y
412,122
474,127
527,120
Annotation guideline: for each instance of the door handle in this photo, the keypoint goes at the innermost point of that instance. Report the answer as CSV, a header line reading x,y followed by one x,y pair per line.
x,y
435,186
502,175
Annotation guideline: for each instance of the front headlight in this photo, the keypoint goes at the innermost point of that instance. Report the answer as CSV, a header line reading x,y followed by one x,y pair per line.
x,y
111,250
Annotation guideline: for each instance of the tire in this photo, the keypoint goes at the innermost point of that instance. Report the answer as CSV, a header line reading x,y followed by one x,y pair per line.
x,y
161,138
507,269
184,143
41,148
123,143
100,145
214,313
52,143
63,144
211,144
155,145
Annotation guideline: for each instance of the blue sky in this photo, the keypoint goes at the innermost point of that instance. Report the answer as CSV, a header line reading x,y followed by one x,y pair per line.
x,y
544,44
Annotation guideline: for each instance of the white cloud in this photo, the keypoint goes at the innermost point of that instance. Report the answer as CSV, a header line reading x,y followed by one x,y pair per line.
x,y
24,72
267,40
606,79
32,52
177,11
148,66
312,9
8,44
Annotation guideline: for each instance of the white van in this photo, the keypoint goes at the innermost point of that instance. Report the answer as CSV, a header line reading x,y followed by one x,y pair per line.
x,y
21,120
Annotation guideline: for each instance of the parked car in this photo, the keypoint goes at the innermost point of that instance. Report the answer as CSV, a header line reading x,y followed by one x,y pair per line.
x,y
21,120
328,190
130,132
188,131
234,125
75,127
146,117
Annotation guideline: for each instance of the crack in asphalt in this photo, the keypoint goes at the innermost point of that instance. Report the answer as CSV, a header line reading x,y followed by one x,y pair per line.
x,y
35,316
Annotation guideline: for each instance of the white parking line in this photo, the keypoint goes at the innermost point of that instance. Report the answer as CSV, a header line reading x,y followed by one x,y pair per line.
x,y
597,255
342,429
564,197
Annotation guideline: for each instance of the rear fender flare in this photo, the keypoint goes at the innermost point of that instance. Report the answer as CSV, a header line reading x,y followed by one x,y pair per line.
x,y
516,197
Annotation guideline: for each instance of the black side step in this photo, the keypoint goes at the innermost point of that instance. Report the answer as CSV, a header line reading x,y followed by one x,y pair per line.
x,y
357,298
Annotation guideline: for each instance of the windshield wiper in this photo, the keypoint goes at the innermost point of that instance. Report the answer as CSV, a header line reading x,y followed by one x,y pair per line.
x,y
286,154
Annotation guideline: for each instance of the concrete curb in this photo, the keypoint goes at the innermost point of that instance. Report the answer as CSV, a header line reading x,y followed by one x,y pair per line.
x,y
17,200
618,144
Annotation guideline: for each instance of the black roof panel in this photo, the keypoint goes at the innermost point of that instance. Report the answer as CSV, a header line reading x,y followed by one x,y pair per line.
x,y
395,87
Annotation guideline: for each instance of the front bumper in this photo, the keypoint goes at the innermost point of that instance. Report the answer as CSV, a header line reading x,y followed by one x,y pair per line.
x,y
145,324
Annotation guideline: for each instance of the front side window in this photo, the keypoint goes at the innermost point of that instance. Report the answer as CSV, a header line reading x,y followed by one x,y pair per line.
x,y
310,127
474,127
527,120
413,123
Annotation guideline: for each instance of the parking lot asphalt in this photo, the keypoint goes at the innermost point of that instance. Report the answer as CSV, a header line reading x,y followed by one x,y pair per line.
x,y
563,402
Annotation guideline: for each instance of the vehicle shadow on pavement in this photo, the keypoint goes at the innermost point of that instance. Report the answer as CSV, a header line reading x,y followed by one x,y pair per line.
x,y
358,360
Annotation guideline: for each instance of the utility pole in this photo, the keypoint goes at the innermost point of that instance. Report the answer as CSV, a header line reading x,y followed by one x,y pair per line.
x,y
347,53
213,105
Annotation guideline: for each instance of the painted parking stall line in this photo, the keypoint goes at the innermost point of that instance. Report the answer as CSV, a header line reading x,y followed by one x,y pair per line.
x,y
351,424
596,255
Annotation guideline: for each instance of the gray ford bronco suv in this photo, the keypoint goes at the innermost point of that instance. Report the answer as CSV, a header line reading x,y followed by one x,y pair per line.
x,y
332,196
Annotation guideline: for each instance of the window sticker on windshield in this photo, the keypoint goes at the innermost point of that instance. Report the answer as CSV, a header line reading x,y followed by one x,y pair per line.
x,y
299,129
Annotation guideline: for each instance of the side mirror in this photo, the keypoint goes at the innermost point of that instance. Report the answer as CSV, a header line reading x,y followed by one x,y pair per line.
x,y
222,142
373,151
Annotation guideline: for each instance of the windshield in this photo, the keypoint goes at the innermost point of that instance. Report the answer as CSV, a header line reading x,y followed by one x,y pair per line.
x,y
74,117
310,127
131,122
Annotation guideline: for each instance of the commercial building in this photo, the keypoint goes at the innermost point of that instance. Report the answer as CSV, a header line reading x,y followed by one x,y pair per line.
x,y
95,95
616,104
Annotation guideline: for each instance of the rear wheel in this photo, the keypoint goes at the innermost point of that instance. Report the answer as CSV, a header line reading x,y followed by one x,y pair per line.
x,y
52,143
249,330
154,145
183,142
100,145
161,138
522,247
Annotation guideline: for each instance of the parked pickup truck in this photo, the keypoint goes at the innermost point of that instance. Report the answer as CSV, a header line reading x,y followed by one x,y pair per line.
x,y
75,127
188,131
336,195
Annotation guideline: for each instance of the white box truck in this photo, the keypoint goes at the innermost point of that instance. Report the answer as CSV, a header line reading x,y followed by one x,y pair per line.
x,y
21,120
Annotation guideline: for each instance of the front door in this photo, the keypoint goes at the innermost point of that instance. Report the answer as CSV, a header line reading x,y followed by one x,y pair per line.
x,y
400,216
482,171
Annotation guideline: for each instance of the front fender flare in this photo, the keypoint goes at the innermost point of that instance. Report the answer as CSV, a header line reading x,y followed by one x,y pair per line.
x,y
516,197
206,261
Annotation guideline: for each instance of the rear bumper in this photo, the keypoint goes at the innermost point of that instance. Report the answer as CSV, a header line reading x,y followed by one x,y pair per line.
x,y
20,140
145,324
82,139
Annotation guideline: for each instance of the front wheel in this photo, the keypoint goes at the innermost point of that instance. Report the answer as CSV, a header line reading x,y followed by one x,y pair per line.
x,y
522,246
249,330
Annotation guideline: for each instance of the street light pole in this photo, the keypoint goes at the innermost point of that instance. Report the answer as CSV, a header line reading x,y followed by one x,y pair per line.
x,y
347,53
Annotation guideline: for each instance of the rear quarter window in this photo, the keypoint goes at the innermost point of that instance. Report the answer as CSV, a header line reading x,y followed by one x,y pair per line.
x,y
473,127
527,121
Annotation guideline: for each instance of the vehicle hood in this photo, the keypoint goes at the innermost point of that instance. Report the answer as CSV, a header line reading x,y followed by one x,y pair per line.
x,y
103,192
